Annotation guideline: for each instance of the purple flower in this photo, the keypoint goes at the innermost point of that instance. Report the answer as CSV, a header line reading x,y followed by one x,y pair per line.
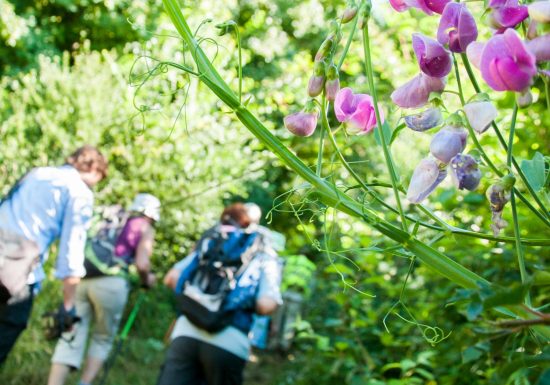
x,y
416,92
434,60
425,120
399,5
426,176
507,13
540,47
539,11
457,27
357,110
480,115
303,123
427,6
506,64
332,85
447,143
465,172
474,52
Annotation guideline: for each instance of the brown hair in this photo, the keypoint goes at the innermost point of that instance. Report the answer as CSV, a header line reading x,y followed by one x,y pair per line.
x,y
88,158
235,214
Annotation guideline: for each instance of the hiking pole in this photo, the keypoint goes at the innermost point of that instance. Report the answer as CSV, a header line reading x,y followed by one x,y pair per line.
x,y
122,337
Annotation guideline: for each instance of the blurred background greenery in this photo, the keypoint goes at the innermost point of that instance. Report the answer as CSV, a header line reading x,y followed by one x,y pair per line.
x,y
80,71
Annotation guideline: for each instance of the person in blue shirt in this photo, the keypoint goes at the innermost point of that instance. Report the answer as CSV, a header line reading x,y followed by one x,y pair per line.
x,y
197,356
48,203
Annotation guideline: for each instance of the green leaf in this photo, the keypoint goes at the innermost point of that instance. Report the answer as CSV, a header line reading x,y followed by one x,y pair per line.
x,y
474,309
512,295
541,278
395,132
387,134
534,171
471,354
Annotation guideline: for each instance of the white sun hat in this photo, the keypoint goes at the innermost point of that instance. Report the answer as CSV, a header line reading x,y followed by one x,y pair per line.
x,y
146,204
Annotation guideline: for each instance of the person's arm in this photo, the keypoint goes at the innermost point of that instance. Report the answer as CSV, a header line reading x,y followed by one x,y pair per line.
x,y
269,291
72,240
174,274
143,253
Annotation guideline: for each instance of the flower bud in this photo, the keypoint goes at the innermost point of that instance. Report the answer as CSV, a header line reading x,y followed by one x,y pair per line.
x,y
324,49
349,12
448,142
524,99
303,123
480,115
317,80
332,85
226,27
426,176
465,172
425,120
539,11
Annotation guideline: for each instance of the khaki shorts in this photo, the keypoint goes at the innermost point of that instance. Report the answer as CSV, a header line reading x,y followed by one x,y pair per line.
x,y
101,299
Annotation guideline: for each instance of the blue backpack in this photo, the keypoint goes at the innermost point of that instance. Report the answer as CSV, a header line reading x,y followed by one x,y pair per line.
x,y
222,254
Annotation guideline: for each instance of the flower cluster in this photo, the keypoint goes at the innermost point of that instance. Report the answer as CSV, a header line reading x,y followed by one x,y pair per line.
x,y
356,111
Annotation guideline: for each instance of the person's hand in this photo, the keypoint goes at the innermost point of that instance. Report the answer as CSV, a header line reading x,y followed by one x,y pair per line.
x,y
60,322
151,280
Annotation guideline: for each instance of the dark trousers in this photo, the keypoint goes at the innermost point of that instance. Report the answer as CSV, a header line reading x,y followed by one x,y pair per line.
x,y
193,362
13,320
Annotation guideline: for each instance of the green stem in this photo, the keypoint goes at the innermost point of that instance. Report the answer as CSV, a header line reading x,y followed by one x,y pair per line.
x,y
348,42
319,168
327,193
239,47
387,153
500,138
517,235
457,75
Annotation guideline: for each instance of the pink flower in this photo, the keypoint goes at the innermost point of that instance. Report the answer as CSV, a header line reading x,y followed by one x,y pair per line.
x,y
427,6
303,123
540,47
506,64
474,51
433,59
425,178
416,92
457,27
399,5
357,110
507,13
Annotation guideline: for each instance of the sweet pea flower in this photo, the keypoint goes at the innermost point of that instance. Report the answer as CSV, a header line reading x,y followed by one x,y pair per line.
x,y
357,110
507,13
399,5
473,52
416,92
427,6
425,178
457,27
540,47
465,172
425,120
447,143
434,60
539,11
303,123
505,62
480,115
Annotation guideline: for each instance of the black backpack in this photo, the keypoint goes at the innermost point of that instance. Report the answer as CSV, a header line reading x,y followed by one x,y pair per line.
x,y
100,258
204,285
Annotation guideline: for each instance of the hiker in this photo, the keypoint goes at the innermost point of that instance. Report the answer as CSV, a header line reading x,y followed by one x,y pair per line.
x,y
45,204
209,342
124,238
